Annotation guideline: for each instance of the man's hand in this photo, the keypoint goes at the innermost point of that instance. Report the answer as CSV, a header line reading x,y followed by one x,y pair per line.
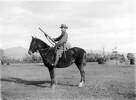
x,y
54,39
57,45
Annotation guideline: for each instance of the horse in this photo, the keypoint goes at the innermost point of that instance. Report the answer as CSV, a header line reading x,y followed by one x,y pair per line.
x,y
73,55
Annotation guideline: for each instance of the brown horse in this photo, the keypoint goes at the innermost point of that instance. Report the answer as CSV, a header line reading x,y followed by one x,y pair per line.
x,y
73,55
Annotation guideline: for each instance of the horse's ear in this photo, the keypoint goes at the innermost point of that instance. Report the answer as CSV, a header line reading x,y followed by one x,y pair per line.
x,y
32,37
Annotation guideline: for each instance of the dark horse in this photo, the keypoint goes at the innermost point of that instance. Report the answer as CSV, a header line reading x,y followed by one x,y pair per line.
x,y
73,55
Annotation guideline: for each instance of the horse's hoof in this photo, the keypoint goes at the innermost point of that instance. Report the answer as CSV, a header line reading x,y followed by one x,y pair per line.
x,y
81,84
53,86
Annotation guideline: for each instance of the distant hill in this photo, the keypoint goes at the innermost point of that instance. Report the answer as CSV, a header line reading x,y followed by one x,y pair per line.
x,y
15,52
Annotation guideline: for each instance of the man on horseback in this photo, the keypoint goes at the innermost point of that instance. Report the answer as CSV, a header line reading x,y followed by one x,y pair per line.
x,y
73,55
61,42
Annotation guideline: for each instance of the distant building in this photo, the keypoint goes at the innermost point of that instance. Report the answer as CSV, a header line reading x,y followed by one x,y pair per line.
x,y
132,58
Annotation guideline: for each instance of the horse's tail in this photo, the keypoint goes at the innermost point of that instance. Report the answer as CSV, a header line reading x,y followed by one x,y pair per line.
x,y
84,59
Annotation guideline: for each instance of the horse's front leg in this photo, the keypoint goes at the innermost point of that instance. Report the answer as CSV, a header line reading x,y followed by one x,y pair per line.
x,y
52,75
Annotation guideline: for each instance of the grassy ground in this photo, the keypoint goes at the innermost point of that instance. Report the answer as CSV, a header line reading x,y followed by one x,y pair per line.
x,y
103,82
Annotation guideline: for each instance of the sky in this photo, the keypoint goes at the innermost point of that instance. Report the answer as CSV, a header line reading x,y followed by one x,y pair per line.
x,y
92,24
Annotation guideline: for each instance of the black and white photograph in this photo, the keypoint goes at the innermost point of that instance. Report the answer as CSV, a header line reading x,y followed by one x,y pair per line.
x,y
67,50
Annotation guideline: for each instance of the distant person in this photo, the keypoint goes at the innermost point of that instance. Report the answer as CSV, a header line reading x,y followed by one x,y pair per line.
x,y
61,43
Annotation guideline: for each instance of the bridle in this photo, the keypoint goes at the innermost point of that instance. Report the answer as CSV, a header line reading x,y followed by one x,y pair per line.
x,y
36,47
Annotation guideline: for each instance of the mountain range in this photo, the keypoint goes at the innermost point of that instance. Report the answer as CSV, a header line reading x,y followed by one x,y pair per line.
x,y
14,52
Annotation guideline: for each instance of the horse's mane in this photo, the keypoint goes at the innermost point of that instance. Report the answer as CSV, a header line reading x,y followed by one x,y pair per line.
x,y
42,43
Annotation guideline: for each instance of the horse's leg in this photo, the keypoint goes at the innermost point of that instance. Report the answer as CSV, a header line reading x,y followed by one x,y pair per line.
x,y
52,75
82,73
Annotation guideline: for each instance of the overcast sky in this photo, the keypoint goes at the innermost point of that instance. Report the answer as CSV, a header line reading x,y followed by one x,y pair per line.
x,y
92,24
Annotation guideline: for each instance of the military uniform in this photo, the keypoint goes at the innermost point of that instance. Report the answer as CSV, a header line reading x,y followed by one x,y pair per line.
x,y
61,43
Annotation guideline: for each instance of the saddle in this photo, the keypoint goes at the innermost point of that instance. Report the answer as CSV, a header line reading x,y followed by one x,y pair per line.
x,y
51,54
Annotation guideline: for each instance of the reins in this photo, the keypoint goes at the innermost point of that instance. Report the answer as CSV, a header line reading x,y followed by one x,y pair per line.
x,y
44,50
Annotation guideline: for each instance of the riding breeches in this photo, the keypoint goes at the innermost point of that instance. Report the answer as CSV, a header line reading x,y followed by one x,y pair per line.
x,y
59,52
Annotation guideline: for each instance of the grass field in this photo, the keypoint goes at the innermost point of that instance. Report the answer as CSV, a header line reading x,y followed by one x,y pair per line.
x,y
103,82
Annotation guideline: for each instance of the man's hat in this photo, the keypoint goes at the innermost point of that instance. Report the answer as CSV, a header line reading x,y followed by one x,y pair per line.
x,y
63,26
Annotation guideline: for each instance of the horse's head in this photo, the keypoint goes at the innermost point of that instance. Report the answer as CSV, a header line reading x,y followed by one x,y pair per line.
x,y
33,46
36,44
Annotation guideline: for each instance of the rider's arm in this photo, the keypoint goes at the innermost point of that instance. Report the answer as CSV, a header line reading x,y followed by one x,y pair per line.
x,y
58,38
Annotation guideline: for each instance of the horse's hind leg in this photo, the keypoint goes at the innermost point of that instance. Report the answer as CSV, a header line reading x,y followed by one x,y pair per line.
x,y
81,63
82,73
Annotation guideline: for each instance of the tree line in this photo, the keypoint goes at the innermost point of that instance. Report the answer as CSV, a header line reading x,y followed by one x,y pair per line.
x,y
36,58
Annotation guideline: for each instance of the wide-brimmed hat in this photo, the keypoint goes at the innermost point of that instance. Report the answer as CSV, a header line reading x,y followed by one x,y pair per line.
x,y
64,26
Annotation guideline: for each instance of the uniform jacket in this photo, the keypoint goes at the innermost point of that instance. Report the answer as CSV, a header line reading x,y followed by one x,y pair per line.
x,y
62,38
